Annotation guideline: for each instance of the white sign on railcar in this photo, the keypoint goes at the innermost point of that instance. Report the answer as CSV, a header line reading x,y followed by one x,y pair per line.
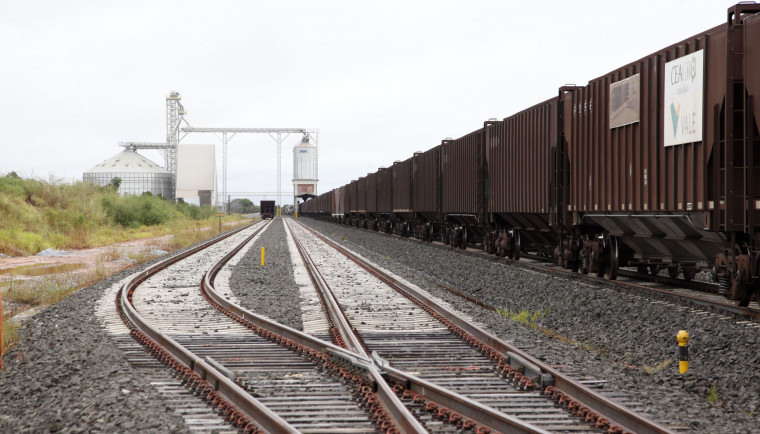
x,y
684,92
625,101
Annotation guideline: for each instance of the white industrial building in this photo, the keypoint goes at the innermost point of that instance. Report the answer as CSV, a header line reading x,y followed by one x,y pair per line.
x,y
137,174
304,170
196,172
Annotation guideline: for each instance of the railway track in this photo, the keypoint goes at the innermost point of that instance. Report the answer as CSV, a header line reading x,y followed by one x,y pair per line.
x,y
411,366
700,293
259,375
450,355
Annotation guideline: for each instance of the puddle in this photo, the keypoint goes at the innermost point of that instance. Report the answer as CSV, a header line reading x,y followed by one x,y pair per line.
x,y
40,269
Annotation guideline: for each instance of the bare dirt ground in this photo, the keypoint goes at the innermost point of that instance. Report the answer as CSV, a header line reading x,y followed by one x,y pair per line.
x,y
88,257
87,265
79,264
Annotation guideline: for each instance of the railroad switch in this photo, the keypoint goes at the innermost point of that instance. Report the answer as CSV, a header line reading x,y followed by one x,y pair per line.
x,y
683,351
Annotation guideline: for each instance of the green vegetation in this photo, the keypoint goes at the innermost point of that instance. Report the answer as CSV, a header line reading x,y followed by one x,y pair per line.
x,y
10,335
530,319
243,206
525,317
37,215
712,396
657,368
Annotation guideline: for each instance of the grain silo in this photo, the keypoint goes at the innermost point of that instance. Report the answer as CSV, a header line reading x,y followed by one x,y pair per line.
x,y
137,174
196,172
304,170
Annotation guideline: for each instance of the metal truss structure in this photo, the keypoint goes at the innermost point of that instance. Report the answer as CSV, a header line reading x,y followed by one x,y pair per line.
x,y
275,133
175,116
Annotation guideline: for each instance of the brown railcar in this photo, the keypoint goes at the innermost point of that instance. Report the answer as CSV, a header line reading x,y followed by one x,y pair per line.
x,y
353,202
520,152
385,198
403,212
372,214
463,188
661,159
324,204
267,209
361,196
384,191
426,192
306,208
653,165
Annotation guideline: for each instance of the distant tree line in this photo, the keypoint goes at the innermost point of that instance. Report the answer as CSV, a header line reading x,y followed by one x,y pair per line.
x,y
243,206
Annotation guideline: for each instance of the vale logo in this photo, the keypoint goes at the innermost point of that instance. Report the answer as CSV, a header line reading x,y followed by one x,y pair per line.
x,y
674,112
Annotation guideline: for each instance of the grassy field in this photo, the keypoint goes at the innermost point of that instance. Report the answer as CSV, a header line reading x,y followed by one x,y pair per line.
x,y
36,215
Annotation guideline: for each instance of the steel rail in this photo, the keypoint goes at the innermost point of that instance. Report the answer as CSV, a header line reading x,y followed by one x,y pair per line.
x,y
396,409
249,410
547,376
699,286
721,305
334,310
473,410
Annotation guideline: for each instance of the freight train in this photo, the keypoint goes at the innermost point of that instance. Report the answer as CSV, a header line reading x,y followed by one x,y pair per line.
x,y
655,165
267,209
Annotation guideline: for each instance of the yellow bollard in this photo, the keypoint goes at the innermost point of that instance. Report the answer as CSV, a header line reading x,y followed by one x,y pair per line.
x,y
262,256
683,351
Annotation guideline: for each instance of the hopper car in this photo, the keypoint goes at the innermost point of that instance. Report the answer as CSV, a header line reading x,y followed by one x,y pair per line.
x,y
654,165
267,209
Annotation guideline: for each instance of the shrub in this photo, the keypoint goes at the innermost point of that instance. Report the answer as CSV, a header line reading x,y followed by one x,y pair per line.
x,y
195,212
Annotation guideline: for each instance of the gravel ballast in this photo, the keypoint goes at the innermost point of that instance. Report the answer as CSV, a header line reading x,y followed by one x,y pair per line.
x,y
625,338
67,375
269,290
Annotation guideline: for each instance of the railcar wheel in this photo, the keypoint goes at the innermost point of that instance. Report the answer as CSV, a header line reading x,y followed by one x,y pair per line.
x,y
741,290
673,271
500,245
455,237
689,273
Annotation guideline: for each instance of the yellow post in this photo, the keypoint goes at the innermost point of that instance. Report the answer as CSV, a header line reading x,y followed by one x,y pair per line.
x,y
262,256
295,214
683,351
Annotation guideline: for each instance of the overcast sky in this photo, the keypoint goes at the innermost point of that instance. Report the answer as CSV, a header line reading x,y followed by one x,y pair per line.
x,y
380,80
